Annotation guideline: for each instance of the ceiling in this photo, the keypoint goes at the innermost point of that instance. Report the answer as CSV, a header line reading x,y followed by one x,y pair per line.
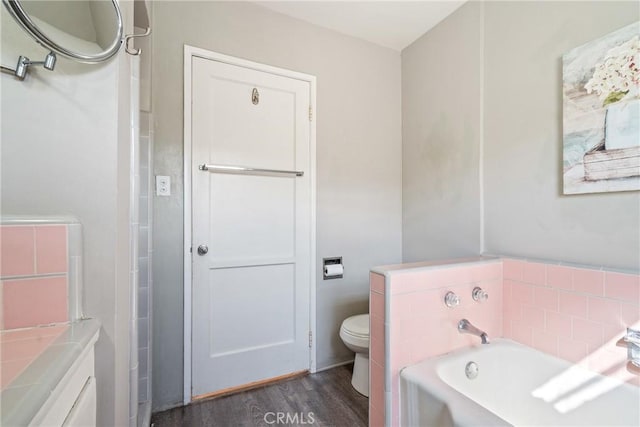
x,y
393,24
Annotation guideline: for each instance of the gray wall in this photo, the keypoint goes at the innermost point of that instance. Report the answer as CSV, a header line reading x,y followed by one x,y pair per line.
x,y
63,153
358,160
520,109
526,213
441,138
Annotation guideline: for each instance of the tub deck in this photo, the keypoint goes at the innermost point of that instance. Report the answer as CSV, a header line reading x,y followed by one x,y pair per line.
x,y
516,385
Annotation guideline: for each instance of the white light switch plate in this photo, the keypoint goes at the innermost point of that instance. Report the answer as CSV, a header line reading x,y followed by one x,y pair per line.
x,y
163,185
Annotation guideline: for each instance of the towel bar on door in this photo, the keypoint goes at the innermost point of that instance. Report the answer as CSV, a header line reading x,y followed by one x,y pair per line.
x,y
246,170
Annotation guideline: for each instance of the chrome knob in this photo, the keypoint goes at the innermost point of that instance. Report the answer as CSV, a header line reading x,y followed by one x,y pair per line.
x,y
451,299
479,295
203,249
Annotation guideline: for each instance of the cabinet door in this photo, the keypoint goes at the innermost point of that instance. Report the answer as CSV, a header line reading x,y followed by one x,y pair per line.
x,y
83,413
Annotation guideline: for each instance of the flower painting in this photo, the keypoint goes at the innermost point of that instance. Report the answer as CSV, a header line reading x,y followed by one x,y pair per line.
x,y
601,114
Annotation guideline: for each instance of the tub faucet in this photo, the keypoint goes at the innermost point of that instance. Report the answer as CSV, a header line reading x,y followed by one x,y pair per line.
x,y
632,341
465,327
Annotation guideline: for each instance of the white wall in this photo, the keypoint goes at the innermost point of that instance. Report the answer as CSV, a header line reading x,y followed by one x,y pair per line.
x,y
358,160
526,213
441,139
515,99
65,151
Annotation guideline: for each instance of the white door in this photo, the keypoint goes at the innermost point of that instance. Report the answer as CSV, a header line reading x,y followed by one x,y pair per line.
x,y
250,307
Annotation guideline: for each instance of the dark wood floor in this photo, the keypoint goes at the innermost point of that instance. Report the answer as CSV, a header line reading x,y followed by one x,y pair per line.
x,y
326,398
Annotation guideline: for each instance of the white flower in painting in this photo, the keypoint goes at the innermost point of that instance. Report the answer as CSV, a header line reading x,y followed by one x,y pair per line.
x,y
618,76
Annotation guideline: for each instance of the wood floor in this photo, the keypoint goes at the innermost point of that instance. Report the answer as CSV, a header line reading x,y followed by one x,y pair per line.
x,y
323,399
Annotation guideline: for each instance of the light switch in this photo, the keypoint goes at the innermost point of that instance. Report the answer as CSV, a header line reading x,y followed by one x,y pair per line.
x,y
163,185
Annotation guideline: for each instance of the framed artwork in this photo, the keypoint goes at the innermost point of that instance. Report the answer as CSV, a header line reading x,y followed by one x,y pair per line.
x,y
601,114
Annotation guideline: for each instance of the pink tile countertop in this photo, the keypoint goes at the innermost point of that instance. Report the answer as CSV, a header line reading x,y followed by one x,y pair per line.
x,y
20,347
34,360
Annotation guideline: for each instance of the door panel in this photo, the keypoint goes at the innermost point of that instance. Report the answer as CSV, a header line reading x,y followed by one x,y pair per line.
x,y
246,222
272,320
250,307
264,134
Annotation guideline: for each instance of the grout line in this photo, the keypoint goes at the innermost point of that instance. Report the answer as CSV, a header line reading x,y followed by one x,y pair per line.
x,y
573,291
36,276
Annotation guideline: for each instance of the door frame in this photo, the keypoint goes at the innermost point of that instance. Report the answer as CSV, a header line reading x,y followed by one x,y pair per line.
x,y
189,53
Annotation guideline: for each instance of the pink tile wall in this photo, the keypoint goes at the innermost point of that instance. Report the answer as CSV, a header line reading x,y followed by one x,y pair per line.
x,y
416,301
376,351
33,302
577,314
51,249
17,251
33,275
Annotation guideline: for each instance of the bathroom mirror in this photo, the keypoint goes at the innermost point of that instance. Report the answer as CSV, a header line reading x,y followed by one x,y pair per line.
x,y
87,31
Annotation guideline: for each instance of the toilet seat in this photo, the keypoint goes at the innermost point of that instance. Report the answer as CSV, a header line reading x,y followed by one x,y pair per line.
x,y
355,332
357,326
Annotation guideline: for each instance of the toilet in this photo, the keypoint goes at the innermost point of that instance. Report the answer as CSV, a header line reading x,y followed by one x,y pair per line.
x,y
355,335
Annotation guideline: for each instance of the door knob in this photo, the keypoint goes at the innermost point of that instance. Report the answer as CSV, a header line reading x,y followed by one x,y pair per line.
x,y
203,249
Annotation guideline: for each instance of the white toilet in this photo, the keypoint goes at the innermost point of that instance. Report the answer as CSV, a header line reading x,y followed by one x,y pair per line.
x,y
355,334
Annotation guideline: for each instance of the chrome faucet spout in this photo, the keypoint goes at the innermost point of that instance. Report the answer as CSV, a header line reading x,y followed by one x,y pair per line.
x,y
466,327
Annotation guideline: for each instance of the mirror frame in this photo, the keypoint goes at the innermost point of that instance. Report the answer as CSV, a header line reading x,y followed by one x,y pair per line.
x,y
22,17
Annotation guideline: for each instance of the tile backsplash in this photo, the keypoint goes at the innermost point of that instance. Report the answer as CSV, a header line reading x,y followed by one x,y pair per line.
x,y
34,302
577,314
40,272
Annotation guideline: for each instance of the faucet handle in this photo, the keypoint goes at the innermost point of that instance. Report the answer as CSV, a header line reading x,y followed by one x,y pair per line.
x,y
479,295
632,337
451,300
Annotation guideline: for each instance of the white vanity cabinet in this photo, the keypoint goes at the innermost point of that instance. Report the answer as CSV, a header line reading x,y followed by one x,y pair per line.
x,y
83,412
73,400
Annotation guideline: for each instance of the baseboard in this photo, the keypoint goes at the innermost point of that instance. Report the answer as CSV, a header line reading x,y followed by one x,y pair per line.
x,y
335,365
249,386
166,407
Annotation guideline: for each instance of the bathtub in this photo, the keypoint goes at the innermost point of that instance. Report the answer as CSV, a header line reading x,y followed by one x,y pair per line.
x,y
515,385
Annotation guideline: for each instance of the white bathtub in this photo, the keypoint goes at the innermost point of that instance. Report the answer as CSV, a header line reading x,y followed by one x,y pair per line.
x,y
515,385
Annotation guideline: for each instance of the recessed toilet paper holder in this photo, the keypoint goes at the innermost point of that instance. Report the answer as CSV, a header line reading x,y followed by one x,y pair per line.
x,y
329,267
